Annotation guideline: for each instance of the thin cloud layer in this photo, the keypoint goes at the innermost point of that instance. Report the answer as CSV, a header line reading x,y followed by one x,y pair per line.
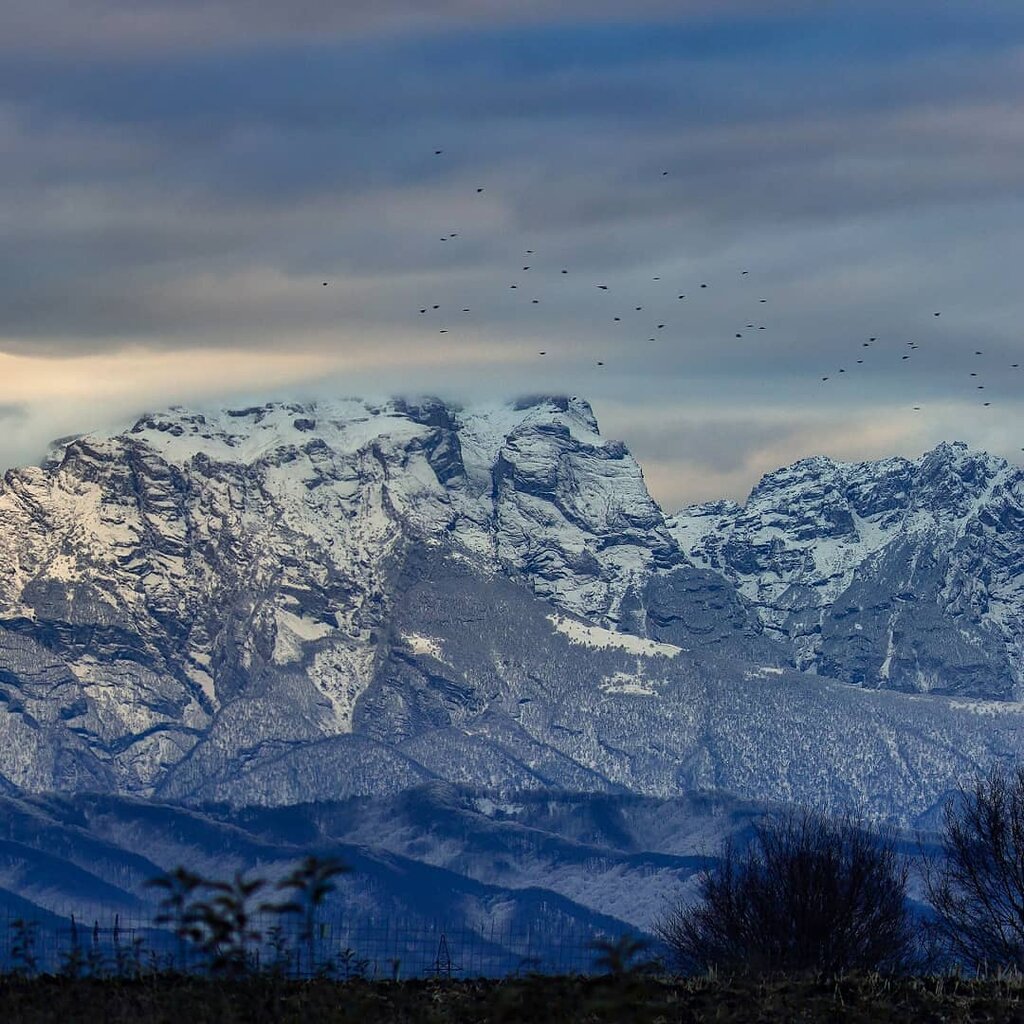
x,y
111,27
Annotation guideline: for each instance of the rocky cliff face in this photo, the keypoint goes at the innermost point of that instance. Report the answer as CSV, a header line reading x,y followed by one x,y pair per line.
x,y
151,578
901,574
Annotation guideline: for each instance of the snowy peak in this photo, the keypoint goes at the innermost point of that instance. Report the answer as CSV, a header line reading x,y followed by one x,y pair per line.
x,y
946,482
154,578
820,542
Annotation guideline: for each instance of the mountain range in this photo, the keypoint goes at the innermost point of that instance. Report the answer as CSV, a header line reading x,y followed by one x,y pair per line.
x,y
296,602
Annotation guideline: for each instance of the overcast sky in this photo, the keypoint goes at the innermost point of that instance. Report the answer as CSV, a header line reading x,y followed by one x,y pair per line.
x,y
180,178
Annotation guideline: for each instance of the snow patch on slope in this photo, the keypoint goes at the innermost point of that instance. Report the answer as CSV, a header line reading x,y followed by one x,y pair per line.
x,y
599,637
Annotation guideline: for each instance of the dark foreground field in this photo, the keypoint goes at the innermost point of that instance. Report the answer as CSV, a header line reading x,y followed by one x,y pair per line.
x,y
535,999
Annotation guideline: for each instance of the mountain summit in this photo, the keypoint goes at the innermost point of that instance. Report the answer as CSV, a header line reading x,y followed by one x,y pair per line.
x,y
903,574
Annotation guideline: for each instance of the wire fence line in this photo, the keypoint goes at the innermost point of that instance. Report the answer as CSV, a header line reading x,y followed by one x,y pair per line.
x,y
127,944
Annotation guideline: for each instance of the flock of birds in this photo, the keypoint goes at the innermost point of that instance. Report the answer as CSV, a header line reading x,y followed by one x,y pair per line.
x,y
626,313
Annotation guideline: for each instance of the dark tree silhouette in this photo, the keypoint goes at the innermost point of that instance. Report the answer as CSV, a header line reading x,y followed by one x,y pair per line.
x,y
976,887
809,893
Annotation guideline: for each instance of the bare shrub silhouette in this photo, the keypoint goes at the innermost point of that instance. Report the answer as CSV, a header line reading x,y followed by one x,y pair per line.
x,y
309,884
808,894
976,886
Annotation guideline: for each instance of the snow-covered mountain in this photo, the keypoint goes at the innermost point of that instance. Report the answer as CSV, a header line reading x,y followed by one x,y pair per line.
x,y
903,574
291,603
151,578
